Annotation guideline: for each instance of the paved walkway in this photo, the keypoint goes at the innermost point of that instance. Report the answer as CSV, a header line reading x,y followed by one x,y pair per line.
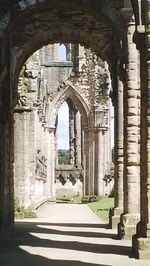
x,y
65,235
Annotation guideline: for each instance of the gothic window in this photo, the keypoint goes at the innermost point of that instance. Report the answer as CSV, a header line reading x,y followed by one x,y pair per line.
x,y
62,52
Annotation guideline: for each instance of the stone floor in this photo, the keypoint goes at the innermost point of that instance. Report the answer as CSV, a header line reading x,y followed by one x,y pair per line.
x,y
65,235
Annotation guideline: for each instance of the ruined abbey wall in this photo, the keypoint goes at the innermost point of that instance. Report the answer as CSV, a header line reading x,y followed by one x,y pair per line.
x,y
44,84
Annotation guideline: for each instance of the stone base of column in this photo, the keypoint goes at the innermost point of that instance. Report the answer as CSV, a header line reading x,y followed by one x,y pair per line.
x,y
114,217
141,247
127,225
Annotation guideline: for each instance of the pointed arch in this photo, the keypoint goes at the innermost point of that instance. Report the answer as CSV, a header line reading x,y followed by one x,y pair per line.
x,y
68,92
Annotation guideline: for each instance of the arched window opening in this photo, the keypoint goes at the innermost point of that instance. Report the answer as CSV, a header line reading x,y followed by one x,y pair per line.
x,y
63,134
69,135
62,52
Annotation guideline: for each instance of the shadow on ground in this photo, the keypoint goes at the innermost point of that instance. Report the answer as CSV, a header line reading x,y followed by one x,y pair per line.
x,y
34,227
10,250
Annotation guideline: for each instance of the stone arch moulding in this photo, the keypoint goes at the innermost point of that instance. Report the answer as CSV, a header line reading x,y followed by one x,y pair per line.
x,y
68,92
38,23
108,10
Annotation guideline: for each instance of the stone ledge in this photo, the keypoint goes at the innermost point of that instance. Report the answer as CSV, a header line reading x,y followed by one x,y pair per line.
x,y
59,64
21,109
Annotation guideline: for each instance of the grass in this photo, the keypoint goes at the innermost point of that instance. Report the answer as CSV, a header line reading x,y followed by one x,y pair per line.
x,y
21,212
68,199
101,208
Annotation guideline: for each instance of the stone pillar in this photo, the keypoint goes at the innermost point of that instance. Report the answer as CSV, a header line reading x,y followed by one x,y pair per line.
x,y
100,162
6,170
92,158
89,157
141,241
72,132
106,152
86,161
78,139
6,150
119,159
130,218
51,153
24,156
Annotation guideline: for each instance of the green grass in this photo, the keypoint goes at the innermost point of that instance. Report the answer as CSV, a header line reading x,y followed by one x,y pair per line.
x,y
68,199
101,208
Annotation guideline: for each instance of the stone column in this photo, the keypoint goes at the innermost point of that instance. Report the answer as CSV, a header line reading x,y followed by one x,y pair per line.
x,y
86,161
92,160
51,153
130,218
89,161
100,162
6,169
83,158
107,148
72,132
141,241
24,156
6,149
119,158
78,139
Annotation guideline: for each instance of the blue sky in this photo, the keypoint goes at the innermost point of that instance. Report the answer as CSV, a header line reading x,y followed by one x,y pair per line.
x,y
63,113
63,127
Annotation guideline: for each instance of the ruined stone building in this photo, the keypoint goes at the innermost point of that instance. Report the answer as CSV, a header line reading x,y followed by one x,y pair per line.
x,y
107,56
45,82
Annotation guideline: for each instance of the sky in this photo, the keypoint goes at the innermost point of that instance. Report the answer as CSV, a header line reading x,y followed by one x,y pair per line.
x,y
62,52
63,127
63,114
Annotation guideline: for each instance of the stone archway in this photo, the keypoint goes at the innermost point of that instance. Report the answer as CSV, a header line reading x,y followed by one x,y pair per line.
x,y
40,96
69,178
31,36
35,24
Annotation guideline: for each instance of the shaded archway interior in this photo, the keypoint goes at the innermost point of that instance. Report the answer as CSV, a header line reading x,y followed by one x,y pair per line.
x,y
43,24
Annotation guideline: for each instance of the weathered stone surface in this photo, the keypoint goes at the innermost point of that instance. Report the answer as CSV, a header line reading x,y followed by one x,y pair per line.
x,y
26,26
119,155
130,217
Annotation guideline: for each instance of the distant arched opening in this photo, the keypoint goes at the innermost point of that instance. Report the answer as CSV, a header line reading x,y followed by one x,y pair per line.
x,y
62,52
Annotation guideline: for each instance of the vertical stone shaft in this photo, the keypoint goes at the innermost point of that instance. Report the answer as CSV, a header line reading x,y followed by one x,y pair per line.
x,y
106,154
86,162
90,161
120,140
6,168
100,162
51,159
77,139
131,132
71,134
141,241
148,120
119,158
